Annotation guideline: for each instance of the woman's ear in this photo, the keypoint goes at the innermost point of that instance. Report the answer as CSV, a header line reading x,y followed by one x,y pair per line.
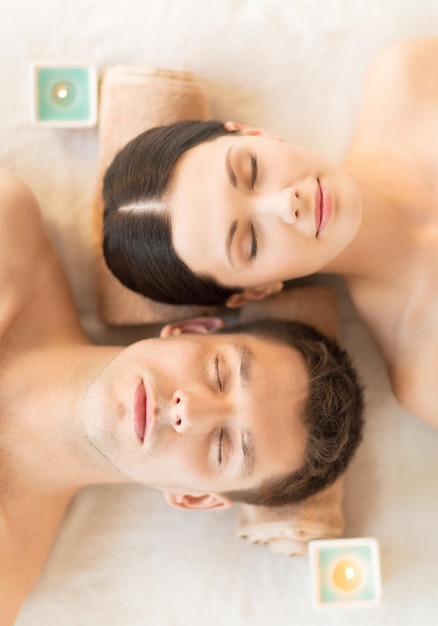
x,y
243,129
253,293
198,325
199,502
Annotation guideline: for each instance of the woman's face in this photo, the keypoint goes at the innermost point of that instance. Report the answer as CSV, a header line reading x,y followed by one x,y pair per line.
x,y
249,210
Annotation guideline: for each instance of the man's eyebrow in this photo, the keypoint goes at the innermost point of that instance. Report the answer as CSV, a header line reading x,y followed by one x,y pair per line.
x,y
245,356
249,458
231,175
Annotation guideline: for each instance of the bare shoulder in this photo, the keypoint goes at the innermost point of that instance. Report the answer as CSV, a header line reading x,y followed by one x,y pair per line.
x,y
23,244
414,375
416,391
22,232
33,285
400,98
409,65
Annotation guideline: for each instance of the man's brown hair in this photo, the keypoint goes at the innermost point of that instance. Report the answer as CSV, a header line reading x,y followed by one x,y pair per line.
x,y
332,413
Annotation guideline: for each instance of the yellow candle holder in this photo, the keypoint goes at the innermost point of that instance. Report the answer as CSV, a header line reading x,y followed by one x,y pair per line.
x,y
345,573
63,96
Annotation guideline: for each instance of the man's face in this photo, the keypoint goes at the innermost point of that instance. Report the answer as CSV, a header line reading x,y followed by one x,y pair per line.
x,y
200,413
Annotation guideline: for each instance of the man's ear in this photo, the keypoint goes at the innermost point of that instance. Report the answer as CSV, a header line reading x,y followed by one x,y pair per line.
x,y
202,502
253,293
243,129
198,325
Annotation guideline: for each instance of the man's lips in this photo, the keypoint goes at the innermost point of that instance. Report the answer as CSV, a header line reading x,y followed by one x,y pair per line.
x,y
139,411
323,207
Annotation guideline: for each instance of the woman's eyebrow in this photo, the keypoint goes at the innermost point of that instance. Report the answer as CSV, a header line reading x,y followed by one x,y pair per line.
x,y
229,241
231,175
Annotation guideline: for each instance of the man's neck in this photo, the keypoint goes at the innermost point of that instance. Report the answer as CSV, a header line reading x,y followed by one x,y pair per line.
x,y
42,446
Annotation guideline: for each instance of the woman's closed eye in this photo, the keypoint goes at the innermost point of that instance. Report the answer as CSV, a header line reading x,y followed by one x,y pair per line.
x,y
254,171
253,249
249,243
218,373
219,446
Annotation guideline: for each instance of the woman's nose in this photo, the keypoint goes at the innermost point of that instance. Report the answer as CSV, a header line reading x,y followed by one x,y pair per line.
x,y
284,204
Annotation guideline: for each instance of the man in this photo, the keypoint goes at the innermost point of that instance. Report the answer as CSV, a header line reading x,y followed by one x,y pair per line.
x,y
206,418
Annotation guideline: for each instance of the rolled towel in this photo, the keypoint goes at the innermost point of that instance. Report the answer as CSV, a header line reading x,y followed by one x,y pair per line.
x,y
315,305
133,99
288,529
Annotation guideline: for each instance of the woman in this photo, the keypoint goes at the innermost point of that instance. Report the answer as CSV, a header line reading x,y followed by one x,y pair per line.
x,y
232,212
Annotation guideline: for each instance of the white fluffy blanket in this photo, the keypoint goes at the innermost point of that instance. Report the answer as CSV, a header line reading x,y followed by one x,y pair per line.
x,y
296,68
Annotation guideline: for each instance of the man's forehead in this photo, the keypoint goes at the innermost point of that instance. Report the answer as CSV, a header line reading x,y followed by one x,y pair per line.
x,y
257,341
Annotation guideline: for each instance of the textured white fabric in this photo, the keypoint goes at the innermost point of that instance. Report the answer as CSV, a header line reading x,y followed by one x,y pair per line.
x,y
296,68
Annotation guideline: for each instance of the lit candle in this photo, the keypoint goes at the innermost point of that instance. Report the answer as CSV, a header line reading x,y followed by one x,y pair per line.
x,y
63,96
347,575
61,92
345,572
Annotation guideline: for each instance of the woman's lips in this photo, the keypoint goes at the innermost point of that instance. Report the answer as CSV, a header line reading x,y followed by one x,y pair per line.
x,y
318,206
323,207
140,404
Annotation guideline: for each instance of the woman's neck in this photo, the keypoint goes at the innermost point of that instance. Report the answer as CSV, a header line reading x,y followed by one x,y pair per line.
x,y
385,232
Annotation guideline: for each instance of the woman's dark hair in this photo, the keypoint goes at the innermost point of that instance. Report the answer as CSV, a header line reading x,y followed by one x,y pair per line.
x,y
137,242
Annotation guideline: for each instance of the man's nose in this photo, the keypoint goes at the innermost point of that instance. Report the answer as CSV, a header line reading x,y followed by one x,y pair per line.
x,y
192,411
283,204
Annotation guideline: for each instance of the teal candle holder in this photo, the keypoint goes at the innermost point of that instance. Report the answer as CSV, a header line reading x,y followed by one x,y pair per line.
x,y
63,96
345,573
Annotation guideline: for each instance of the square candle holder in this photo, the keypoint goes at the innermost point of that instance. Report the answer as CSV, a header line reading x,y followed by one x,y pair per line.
x,y
63,96
345,573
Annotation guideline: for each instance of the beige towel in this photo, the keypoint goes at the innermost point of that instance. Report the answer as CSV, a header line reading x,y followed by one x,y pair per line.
x,y
315,305
288,529
133,99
